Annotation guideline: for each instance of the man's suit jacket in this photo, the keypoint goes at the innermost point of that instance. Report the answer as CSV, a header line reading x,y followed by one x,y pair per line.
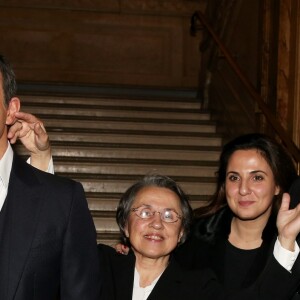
x,y
174,283
48,242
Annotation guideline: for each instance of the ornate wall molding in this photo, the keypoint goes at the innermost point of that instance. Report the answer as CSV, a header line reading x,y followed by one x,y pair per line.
x,y
178,7
83,5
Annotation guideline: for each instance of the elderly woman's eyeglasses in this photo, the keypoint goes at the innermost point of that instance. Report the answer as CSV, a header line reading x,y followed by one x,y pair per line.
x,y
167,215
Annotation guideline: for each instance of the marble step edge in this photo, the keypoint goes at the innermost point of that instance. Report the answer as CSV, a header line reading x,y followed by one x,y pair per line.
x,y
162,157
143,154
132,177
111,91
120,186
108,238
111,183
147,139
83,106
137,170
112,101
146,133
134,120
105,203
99,145
94,196
103,125
159,114
107,208
135,161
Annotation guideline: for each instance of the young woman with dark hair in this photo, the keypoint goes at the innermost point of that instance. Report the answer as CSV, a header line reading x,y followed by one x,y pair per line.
x,y
235,233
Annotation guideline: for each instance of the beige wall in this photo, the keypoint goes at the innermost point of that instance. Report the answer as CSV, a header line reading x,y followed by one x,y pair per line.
x,y
145,43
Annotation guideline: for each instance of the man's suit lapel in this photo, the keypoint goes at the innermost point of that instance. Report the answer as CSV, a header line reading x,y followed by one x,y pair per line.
x,y
24,203
4,250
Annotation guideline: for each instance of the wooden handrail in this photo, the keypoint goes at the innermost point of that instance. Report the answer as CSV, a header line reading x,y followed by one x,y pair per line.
x,y
290,145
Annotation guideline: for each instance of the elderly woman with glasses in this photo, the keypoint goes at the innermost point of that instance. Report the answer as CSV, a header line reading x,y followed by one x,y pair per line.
x,y
154,217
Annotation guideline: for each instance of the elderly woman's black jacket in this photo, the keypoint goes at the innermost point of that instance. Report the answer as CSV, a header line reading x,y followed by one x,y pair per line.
x,y
175,283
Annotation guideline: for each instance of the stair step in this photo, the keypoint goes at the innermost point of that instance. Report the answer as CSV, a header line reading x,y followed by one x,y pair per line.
x,y
99,202
129,125
109,142
104,225
110,91
145,138
45,116
105,101
128,112
107,183
76,151
110,239
134,169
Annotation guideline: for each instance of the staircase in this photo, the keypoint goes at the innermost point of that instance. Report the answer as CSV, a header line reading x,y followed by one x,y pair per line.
x,y
108,143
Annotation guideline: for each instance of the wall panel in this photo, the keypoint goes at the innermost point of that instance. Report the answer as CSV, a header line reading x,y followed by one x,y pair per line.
x,y
143,43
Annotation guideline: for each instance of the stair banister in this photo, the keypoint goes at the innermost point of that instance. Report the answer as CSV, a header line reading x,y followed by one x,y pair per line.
x,y
287,141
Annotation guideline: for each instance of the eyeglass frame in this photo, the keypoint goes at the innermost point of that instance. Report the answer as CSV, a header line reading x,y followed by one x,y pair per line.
x,y
135,209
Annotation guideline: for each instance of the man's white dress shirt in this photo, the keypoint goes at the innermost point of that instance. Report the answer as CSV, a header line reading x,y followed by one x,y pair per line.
x,y
5,169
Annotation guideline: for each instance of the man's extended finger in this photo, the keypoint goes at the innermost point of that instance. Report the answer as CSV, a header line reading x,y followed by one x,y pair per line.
x,y
40,130
41,136
29,118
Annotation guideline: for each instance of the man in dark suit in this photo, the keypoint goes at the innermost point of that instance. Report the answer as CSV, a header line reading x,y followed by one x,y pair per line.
x,y
47,236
